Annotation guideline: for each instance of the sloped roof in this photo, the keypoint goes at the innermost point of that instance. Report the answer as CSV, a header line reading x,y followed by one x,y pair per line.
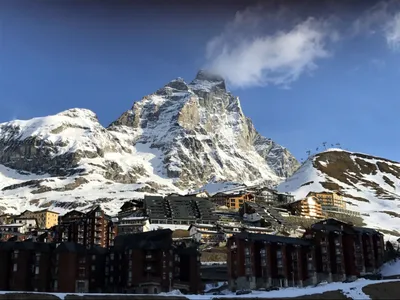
x,y
272,238
70,247
157,239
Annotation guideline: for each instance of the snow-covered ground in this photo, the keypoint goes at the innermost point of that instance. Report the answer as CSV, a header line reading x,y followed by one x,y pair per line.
x,y
223,186
352,290
213,263
391,268
308,178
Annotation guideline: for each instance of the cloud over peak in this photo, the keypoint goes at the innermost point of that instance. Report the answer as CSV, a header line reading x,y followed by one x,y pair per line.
x,y
273,44
256,50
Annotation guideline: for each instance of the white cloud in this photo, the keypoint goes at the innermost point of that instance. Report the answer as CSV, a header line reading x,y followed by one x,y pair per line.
x,y
392,32
256,49
384,19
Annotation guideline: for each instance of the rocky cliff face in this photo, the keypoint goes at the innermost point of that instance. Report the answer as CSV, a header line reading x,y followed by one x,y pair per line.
x,y
180,137
203,134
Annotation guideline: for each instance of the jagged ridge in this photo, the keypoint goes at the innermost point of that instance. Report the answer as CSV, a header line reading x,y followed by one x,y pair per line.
x,y
180,137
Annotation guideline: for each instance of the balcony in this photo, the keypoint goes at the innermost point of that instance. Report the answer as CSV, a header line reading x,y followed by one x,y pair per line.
x,y
149,269
150,257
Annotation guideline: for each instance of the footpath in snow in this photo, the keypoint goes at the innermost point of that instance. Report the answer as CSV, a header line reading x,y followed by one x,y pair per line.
x,y
351,289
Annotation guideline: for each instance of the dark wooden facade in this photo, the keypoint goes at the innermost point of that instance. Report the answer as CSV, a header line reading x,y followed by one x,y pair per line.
x,y
329,251
93,228
261,260
151,263
345,251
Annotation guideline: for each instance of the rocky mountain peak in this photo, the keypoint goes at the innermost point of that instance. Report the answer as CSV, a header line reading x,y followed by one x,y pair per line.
x,y
178,138
178,84
209,81
208,76
202,133
79,113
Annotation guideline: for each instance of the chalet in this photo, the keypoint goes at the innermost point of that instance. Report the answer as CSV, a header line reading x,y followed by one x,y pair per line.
x,y
307,208
131,206
44,218
133,222
329,199
206,233
6,219
232,201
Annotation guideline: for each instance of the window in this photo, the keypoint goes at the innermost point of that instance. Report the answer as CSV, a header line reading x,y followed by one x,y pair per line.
x,y
15,268
93,267
93,257
36,270
16,254
279,263
55,285
309,266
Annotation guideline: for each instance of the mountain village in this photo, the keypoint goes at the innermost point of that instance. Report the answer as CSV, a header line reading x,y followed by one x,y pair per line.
x,y
182,193
263,240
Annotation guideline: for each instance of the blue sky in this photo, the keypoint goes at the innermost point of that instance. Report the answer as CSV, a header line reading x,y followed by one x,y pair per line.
x,y
333,78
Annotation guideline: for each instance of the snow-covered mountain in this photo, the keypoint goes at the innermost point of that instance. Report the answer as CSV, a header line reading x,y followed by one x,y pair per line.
x,y
370,184
176,139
